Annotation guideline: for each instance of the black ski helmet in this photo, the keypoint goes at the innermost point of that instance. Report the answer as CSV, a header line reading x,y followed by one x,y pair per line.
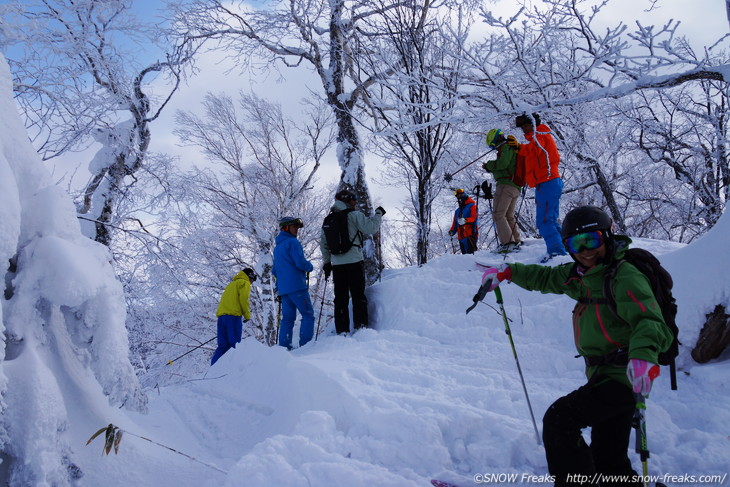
x,y
585,219
250,273
346,196
588,219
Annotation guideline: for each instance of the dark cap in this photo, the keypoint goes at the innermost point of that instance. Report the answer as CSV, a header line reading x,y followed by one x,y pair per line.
x,y
346,196
524,118
250,273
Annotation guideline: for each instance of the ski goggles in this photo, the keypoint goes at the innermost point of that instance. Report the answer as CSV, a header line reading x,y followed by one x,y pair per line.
x,y
583,241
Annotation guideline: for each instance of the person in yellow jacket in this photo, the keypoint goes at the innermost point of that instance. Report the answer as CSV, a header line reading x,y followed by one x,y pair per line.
x,y
233,305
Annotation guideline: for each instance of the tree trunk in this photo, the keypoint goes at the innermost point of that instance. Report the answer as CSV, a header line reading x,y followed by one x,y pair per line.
x,y
714,337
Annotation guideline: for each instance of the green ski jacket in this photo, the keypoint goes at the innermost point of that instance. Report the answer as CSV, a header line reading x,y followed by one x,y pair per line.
x,y
596,330
503,168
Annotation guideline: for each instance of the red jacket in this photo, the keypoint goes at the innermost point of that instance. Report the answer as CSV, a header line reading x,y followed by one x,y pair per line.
x,y
540,156
469,213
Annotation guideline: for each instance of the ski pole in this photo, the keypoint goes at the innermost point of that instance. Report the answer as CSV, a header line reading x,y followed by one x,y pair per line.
x,y
639,424
519,209
448,177
500,302
494,224
475,225
169,362
278,319
321,305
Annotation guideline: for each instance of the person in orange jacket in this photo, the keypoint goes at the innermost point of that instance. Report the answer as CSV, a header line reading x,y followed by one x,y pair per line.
x,y
465,222
541,160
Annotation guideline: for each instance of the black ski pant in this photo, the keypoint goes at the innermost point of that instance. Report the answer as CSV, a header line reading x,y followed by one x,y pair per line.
x,y
349,281
607,407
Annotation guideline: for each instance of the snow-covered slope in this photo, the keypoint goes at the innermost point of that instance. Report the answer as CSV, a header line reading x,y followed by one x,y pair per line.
x,y
429,392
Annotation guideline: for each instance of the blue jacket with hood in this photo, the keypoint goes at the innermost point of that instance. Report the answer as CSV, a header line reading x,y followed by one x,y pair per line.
x,y
290,265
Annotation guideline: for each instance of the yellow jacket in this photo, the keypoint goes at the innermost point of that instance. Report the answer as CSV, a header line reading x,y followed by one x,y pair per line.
x,y
234,300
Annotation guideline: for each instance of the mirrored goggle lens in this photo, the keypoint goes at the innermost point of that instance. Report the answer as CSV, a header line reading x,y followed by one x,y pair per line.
x,y
584,241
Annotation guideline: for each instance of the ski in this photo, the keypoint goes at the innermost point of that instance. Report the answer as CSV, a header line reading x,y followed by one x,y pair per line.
x,y
486,265
441,483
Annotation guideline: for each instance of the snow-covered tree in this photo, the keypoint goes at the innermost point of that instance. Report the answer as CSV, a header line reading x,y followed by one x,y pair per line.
x,y
221,217
264,168
65,345
554,59
79,79
326,36
415,109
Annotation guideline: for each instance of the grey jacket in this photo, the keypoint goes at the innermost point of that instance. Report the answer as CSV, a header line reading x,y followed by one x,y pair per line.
x,y
356,222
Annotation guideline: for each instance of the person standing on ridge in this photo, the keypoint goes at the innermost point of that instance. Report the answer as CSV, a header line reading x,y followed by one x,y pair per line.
x,y
348,268
541,161
620,351
465,223
507,192
290,270
233,305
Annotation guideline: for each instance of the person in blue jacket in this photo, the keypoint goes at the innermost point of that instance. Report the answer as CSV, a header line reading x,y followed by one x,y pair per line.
x,y
290,270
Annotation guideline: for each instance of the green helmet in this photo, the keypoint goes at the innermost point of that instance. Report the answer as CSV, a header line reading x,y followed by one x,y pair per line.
x,y
495,137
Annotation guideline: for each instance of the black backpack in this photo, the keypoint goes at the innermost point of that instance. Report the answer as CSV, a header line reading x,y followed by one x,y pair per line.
x,y
337,233
661,285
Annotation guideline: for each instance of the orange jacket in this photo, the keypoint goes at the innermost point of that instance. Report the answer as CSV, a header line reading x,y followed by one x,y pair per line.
x,y
540,156
469,213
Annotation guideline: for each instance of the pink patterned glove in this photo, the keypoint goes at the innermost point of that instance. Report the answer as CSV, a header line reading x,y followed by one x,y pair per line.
x,y
641,374
495,276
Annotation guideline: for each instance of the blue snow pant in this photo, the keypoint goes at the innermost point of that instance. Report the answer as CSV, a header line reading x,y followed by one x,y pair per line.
x,y
547,198
230,329
290,303
468,245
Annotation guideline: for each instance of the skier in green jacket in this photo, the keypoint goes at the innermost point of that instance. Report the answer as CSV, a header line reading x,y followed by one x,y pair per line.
x,y
620,354
503,168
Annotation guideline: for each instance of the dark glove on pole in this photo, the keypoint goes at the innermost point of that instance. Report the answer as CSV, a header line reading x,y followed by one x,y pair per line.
x,y
479,296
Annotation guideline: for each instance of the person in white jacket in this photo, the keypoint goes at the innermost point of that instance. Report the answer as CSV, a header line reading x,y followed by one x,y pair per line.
x,y
348,268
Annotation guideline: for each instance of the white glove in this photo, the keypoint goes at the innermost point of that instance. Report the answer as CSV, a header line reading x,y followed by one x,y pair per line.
x,y
461,221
